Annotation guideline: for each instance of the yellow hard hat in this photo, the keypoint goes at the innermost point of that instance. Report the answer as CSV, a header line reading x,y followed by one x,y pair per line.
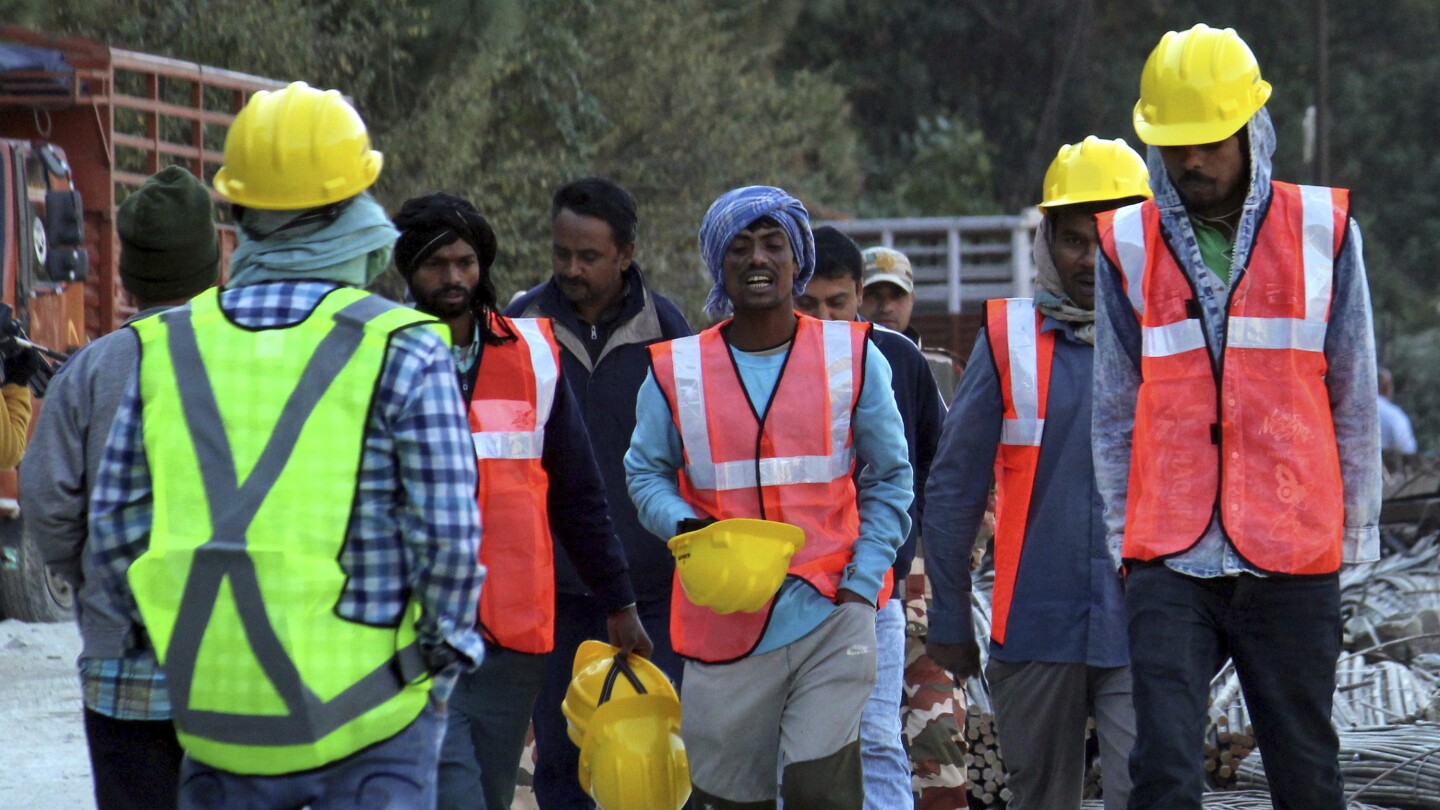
x,y
737,564
1095,170
1198,86
296,148
600,675
633,758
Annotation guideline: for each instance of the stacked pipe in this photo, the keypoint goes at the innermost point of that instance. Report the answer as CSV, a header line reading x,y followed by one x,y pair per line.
x,y
1394,766
985,770
1229,737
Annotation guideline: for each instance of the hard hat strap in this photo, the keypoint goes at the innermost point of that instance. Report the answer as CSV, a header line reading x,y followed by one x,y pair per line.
x,y
620,667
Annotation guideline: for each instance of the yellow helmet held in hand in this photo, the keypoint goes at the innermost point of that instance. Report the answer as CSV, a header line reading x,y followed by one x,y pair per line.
x,y
599,676
633,758
1095,170
1199,86
737,564
296,148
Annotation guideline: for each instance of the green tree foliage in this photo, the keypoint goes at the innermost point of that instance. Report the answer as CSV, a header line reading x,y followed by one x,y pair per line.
x,y
661,97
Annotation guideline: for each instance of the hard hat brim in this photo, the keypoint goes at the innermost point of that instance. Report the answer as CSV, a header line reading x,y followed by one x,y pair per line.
x,y
1193,134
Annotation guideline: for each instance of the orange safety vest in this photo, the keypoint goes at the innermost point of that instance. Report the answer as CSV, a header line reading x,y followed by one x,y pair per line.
x,y
1022,355
1251,439
514,393
795,468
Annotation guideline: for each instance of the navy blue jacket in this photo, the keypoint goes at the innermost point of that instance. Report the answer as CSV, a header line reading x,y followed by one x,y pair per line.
x,y
923,412
1067,606
605,388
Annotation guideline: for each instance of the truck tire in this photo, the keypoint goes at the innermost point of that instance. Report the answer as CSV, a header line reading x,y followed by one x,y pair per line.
x,y
29,590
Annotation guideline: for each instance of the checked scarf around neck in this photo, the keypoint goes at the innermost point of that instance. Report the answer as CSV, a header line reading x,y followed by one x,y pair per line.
x,y
733,213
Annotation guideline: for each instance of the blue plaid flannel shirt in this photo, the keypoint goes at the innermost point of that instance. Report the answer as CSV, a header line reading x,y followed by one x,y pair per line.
x,y
415,527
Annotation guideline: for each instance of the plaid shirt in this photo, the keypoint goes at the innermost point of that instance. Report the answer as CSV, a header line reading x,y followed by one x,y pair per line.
x,y
129,688
414,529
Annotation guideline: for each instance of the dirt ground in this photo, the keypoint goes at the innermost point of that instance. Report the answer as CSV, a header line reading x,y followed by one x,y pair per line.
x,y
45,763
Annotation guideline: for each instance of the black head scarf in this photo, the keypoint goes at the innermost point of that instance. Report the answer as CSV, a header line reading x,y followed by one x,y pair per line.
x,y
436,220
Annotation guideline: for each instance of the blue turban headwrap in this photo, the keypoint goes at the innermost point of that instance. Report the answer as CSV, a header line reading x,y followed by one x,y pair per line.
x,y
733,213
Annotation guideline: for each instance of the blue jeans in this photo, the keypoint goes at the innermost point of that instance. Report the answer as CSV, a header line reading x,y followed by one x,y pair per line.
x,y
397,774
577,618
887,768
485,732
1284,636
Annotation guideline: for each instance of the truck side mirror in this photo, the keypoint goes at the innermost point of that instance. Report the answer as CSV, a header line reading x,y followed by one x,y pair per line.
x,y
64,219
67,264
66,258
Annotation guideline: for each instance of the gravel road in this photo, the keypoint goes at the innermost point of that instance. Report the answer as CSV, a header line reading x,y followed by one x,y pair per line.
x,y
41,734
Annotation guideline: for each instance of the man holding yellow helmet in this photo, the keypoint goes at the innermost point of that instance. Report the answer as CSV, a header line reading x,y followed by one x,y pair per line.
x,y
1235,436
1021,419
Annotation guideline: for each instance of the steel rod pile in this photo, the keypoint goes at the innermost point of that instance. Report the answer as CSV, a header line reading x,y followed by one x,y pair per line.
x,y
1235,800
1394,766
1375,593
1380,693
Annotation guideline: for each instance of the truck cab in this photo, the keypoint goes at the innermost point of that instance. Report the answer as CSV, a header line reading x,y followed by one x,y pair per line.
x,y
82,124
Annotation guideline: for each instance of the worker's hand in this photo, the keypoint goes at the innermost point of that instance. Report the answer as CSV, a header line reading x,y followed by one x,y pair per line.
x,y
23,364
962,660
627,633
845,595
693,524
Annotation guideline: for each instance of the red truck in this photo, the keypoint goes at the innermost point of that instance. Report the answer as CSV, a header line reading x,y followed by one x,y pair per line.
x,y
81,125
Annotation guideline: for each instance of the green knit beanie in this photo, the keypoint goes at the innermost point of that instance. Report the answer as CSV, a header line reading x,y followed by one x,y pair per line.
x,y
168,246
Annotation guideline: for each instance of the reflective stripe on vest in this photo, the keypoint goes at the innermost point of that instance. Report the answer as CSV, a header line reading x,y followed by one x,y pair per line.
x,y
1022,355
795,470
511,403
237,587
1274,474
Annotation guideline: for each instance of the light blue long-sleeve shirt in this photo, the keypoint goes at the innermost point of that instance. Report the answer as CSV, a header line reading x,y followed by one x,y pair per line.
x,y
885,488
1349,355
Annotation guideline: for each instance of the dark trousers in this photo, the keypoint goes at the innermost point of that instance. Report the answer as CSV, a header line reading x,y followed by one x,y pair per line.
x,y
577,618
1284,636
489,713
135,763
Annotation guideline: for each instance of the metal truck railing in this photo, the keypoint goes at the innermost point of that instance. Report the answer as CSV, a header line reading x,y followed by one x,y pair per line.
x,y
959,263
120,116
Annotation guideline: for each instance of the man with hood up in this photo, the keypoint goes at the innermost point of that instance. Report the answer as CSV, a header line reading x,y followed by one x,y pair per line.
x,y
1021,419
767,415
1236,439
287,498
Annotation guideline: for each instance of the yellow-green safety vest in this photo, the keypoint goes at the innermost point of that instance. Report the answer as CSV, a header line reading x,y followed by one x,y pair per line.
x,y
254,439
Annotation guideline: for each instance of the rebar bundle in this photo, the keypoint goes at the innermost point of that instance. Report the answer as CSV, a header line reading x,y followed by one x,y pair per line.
x,y
1380,693
1235,800
1393,766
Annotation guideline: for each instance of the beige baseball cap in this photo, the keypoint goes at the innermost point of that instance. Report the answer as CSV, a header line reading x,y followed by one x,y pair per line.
x,y
888,264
